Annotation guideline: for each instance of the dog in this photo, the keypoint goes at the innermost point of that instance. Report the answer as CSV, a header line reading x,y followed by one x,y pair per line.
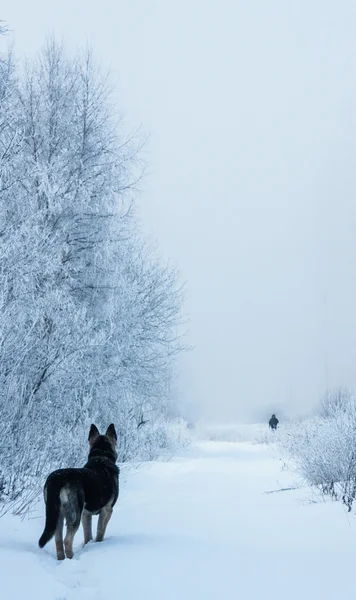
x,y
77,494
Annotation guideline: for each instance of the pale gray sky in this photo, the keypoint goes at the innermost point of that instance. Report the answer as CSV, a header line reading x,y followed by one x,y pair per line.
x,y
251,109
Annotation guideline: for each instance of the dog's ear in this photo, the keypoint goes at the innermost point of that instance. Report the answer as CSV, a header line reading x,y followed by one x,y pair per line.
x,y
111,433
93,434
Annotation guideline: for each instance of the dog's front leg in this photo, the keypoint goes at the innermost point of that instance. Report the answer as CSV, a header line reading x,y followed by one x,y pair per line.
x,y
104,518
86,522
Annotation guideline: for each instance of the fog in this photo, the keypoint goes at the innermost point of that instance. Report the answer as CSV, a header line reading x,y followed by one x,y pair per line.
x,y
250,107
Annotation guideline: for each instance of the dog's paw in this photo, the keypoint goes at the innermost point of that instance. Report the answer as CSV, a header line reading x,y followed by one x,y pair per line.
x,y
60,556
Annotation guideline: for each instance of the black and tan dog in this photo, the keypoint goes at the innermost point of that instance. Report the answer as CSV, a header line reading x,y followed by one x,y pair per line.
x,y
78,494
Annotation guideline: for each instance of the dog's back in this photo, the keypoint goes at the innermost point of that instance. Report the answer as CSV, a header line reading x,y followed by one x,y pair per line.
x,y
72,494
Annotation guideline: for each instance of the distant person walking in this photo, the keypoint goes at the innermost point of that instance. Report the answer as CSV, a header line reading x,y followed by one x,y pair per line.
x,y
273,422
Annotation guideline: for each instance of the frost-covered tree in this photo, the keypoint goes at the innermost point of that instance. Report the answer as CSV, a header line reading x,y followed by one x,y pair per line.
x,y
88,313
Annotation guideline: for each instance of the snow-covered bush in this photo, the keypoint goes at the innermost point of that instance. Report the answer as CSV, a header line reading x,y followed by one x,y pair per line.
x,y
265,435
323,448
333,401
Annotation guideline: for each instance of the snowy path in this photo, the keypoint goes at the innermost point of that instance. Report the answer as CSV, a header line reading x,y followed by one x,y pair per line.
x,y
199,527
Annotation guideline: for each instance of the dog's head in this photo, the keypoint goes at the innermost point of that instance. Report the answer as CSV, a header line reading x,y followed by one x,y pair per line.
x,y
104,442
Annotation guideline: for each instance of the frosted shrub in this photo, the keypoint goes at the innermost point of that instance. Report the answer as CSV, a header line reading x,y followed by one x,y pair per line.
x,y
324,450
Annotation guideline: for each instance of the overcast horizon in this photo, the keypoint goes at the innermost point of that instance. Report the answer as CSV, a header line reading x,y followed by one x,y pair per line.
x,y
251,113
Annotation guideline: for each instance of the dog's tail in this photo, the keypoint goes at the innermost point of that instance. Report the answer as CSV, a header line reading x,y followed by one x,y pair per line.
x,y
53,507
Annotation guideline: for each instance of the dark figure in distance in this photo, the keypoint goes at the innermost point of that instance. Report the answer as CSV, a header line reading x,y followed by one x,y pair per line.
x,y
273,422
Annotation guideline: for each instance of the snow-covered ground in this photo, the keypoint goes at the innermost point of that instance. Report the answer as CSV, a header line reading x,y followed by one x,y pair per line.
x,y
199,527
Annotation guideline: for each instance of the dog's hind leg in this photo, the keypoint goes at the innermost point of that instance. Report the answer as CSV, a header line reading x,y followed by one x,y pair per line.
x,y
86,522
104,518
58,536
72,503
72,528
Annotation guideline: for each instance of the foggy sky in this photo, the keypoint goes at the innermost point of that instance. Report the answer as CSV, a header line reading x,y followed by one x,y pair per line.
x,y
250,107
